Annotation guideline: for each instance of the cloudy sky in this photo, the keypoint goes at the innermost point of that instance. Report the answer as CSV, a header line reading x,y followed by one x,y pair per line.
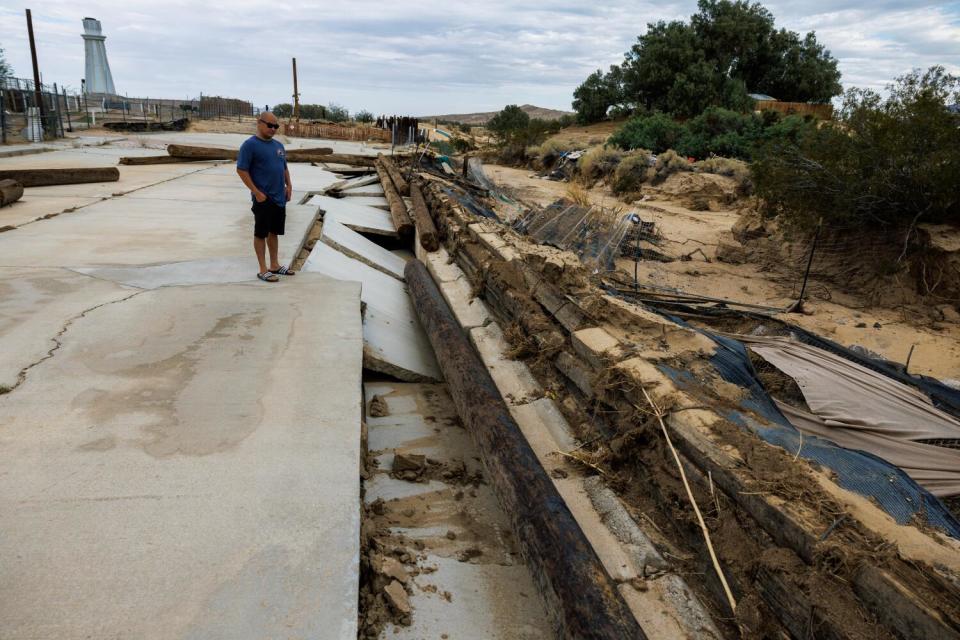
x,y
439,57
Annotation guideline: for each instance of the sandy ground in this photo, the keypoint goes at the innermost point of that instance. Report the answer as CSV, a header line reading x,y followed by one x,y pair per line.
x,y
843,318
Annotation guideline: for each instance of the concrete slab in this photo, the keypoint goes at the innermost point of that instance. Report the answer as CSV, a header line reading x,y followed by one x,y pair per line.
x,y
513,379
372,201
161,470
209,271
143,230
361,181
490,595
358,217
352,244
394,341
35,304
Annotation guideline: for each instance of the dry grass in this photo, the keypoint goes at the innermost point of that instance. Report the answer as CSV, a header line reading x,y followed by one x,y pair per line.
x,y
736,169
670,162
578,193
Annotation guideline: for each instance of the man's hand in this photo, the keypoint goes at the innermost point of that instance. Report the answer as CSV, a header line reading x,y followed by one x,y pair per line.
x,y
261,196
289,191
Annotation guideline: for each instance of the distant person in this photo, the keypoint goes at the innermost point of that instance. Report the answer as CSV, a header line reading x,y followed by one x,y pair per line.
x,y
262,165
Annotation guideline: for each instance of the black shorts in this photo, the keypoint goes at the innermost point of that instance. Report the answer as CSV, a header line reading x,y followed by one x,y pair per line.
x,y
268,217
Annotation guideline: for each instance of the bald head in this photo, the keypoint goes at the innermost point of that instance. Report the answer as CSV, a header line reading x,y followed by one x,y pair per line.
x,y
263,129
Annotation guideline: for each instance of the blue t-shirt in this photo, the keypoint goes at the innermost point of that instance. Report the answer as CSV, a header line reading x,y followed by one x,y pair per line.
x,y
266,161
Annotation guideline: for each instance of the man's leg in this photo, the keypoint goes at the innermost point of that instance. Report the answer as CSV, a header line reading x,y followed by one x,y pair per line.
x,y
273,245
260,248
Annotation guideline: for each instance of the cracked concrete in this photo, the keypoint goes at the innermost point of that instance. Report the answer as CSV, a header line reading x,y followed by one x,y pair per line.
x,y
170,418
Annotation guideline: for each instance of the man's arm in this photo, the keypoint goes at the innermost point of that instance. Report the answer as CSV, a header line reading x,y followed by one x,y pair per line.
x,y
289,183
248,181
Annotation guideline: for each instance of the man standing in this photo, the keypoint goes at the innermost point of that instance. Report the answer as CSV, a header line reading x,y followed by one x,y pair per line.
x,y
262,165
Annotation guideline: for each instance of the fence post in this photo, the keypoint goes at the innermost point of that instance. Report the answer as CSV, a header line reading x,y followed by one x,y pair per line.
x,y
3,115
67,107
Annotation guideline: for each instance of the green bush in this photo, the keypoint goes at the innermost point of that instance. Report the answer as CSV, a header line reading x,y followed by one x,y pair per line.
x,y
657,132
598,163
631,172
885,165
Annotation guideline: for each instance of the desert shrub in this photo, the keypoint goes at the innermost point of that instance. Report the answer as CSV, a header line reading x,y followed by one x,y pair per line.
x,y
657,132
732,168
364,116
548,152
632,171
668,163
885,165
598,163
462,145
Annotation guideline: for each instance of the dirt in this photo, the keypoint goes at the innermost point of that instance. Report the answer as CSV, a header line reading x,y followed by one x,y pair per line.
x,y
378,407
831,309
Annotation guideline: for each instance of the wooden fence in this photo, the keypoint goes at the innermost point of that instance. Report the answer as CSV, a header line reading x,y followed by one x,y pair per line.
x,y
822,111
336,132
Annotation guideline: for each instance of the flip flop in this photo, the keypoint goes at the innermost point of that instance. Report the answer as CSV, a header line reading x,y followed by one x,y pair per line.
x,y
268,276
283,271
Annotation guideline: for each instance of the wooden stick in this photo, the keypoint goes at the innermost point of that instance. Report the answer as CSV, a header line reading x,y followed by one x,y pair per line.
x,y
703,526
48,177
398,208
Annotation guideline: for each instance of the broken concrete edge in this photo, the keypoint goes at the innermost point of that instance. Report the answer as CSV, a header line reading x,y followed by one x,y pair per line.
x,y
902,608
302,245
693,431
520,389
581,595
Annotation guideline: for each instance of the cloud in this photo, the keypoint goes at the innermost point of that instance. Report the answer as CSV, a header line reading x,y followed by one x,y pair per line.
x,y
432,56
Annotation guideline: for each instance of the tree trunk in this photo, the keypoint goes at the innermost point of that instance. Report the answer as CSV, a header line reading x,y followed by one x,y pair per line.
x,y
422,220
398,208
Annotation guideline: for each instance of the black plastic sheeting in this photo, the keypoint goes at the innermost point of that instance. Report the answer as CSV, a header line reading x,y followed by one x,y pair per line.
x,y
858,471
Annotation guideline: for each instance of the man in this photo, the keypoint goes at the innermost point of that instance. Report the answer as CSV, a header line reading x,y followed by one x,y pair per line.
x,y
262,165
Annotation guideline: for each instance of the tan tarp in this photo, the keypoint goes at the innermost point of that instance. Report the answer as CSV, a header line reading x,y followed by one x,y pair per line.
x,y
859,408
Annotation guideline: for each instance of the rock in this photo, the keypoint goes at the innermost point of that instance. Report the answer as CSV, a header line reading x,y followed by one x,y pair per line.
x,y
731,252
390,567
950,313
378,407
451,535
398,598
863,351
552,268
403,462
749,226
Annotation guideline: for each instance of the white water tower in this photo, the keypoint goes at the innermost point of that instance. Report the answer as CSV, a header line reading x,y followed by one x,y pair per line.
x,y
98,77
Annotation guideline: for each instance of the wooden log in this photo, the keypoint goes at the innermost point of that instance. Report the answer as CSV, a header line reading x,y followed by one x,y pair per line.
x,y
403,188
48,177
320,154
398,209
10,192
139,160
422,220
582,599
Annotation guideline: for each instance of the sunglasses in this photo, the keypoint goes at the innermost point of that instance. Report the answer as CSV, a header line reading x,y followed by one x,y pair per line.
x,y
270,125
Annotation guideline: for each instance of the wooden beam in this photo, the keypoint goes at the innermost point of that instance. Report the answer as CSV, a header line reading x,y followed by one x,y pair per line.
x,y
49,177
320,154
582,599
398,208
421,219
10,192
139,160
403,188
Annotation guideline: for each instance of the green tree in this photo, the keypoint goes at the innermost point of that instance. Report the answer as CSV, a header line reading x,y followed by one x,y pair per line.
x,y
726,49
885,164
337,112
364,116
5,68
283,110
593,99
509,124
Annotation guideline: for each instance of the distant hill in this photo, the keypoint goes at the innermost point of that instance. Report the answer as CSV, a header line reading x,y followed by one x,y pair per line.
x,y
483,118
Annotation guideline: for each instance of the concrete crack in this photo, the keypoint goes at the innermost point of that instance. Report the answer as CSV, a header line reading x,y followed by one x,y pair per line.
x,y
57,342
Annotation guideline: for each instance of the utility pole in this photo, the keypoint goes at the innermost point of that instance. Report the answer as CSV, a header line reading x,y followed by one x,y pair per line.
x,y
296,94
36,68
